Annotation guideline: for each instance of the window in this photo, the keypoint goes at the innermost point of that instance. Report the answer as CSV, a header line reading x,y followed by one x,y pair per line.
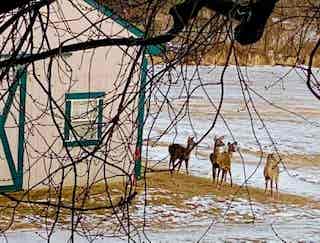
x,y
83,124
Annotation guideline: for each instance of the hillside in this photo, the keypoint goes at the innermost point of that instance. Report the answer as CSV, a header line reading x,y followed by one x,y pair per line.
x,y
289,38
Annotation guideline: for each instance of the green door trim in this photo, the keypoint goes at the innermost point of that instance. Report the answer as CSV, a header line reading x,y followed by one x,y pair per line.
x,y
22,120
140,118
16,173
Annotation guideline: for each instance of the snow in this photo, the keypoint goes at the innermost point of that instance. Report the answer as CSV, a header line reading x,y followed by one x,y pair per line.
x,y
280,85
235,220
293,132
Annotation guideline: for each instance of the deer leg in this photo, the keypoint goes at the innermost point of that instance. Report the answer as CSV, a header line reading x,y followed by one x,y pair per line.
x,y
187,165
171,162
230,177
265,190
271,185
219,170
180,163
213,173
222,177
175,165
276,182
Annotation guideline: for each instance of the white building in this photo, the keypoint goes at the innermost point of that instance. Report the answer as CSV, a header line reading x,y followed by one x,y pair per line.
x,y
37,133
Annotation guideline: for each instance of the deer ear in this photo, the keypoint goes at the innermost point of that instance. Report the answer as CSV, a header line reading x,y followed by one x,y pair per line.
x,y
229,143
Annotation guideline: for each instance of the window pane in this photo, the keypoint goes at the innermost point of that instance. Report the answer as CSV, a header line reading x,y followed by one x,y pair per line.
x,y
85,109
84,118
85,130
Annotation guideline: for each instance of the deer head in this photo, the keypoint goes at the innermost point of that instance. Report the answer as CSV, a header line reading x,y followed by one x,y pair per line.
x,y
271,156
232,147
190,142
218,141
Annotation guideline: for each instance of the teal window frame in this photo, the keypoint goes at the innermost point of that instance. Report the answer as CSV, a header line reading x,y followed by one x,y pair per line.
x,y
69,98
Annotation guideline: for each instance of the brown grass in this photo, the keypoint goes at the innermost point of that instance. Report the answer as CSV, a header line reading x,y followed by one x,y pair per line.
x,y
96,197
190,186
163,188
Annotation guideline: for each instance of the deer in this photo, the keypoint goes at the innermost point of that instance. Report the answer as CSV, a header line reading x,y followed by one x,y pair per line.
x,y
218,143
271,172
224,162
180,153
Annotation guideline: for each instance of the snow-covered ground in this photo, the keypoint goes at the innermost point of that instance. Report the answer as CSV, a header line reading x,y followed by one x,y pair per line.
x,y
293,122
292,231
304,181
234,221
297,132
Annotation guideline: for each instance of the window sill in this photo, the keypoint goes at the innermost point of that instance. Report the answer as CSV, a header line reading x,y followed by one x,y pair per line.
x,y
81,143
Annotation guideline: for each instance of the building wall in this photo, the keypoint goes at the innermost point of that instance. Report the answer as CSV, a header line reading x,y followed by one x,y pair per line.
x,y
105,69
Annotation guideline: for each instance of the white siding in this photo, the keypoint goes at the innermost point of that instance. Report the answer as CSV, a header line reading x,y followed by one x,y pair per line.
x,y
102,69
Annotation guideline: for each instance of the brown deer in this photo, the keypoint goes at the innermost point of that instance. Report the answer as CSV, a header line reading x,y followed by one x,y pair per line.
x,y
180,153
224,162
218,143
271,172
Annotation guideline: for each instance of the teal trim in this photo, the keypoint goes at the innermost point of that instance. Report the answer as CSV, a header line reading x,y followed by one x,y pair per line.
x,y
68,119
9,101
84,95
140,118
8,188
16,173
152,50
22,112
82,143
100,118
8,154
156,50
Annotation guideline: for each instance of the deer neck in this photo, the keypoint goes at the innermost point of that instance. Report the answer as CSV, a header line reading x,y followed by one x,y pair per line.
x,y
189,147
216,150
230,153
